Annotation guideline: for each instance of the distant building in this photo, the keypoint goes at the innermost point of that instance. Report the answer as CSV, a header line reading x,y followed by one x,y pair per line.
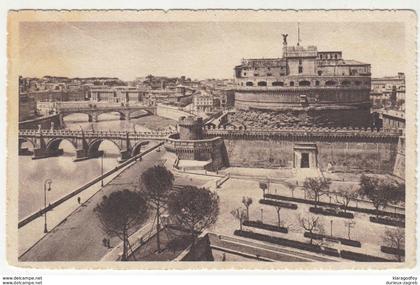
x,y
388,92
120,94
315,85
393,119
203,102
27,107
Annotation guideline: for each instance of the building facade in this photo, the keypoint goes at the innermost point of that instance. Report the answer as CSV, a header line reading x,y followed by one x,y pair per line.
x,y
306,81
388,92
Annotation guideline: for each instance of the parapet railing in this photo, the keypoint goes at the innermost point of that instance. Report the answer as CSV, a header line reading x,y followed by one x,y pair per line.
x,y
90,134
191,144
305,133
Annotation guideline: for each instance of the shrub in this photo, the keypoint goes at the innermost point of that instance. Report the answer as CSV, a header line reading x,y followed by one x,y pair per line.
x,y
388,221
263,226
278,203
361,257
331,212
286,242
393,250
344,241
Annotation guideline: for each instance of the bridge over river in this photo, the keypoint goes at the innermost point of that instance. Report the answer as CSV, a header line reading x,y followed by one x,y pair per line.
x,y
94,110
46,142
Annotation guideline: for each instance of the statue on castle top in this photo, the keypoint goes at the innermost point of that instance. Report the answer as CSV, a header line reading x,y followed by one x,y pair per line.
x,y
285,38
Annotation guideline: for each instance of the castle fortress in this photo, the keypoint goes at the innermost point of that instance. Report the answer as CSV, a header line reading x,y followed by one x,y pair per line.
x,y
307,82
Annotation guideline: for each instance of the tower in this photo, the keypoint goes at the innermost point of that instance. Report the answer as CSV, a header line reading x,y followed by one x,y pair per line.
x,y
190,128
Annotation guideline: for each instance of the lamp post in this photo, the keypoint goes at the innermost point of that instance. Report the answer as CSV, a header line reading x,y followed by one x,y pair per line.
x,y
331,227
102,168
47,181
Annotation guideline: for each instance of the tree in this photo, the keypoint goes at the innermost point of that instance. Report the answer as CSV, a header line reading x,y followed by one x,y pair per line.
x,y
240,215
194,208
368,184
263,187
278,208
349,225
311,224
316,187
381,191
344,197
395,238
156,183
247,201
120,213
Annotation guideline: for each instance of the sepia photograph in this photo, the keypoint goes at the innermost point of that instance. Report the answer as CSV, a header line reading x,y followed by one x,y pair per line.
x,y
247,139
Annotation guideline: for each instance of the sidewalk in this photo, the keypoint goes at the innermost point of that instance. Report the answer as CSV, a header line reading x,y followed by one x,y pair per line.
x,y
79,236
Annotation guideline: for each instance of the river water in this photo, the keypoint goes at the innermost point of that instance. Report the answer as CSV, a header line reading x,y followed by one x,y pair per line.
x,y
67,175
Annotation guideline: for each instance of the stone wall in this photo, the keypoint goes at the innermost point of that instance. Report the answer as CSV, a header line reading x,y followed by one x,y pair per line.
x,y
170,112
212,150
399,167
376,156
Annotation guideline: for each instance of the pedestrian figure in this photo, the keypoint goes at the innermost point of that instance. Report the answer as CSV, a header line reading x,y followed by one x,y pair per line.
x,y
79,200
224,257
104,242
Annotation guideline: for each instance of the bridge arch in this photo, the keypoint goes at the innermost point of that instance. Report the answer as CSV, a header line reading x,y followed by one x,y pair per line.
x,y
93,147
54,144
137,147
121,114
23,140
89,116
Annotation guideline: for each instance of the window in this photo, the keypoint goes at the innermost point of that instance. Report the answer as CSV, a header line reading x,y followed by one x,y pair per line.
x,y
304,83
319,72
244,73
346,83
292,83
262,83
330,83
249,83
277,83
300,69
317,83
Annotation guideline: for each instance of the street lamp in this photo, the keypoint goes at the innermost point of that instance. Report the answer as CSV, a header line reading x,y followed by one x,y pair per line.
x,y
47,181
102,168
331,226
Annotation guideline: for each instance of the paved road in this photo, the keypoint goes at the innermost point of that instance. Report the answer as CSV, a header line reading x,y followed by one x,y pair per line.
x,y
79,237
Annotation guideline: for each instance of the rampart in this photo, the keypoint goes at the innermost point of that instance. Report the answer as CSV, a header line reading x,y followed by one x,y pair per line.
x,y
343,148
211,149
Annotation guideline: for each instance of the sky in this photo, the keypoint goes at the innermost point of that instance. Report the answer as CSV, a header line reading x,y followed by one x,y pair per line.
x,y
197,50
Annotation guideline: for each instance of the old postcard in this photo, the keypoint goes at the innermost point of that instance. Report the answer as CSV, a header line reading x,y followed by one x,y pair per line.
x,y
211,139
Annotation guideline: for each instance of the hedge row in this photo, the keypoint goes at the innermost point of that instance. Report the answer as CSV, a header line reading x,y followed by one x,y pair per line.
x,y
344,241
330,212
261,225
392,250
311,247
353,209
362,257
279,203
287,242
388,222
